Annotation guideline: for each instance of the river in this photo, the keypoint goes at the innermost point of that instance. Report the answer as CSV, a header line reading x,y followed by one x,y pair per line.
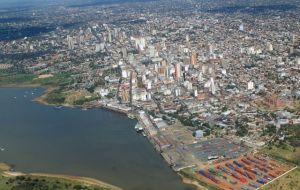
x,y
95,143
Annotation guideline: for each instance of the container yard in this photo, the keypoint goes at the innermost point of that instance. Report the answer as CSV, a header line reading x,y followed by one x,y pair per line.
x,y
245,172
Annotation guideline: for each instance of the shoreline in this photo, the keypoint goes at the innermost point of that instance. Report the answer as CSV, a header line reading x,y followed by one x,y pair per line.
x,y
49,89
4,171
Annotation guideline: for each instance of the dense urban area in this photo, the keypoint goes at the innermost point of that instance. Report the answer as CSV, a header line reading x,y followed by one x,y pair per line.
x,y
214,84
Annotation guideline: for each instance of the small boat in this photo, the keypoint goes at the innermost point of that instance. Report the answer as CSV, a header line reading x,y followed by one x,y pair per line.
x,y
144,134
58,107
131,116
84,109
138,128
2,149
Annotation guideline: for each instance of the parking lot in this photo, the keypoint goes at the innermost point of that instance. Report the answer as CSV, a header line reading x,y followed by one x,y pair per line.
x,y
218,147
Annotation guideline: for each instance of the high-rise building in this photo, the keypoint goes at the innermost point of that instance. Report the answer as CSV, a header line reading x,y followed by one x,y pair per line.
x,y
98,48
152,51
187,38
194,57
195,93
241,27
70,42
291,49
124,52
212,86
269,46
177,71
298,61
167,72
210,49
109,36
294,39
250,85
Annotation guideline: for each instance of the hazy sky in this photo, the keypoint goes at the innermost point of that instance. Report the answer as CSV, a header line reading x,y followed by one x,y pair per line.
x,y
12,3
29,2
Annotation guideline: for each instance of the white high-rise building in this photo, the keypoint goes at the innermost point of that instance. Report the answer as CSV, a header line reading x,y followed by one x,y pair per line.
x,y
241,27
177,92
187,38
195,93
109,36
124,52
298,61
269,46
250,85
152,51
70,42
212,86
98,48
149,85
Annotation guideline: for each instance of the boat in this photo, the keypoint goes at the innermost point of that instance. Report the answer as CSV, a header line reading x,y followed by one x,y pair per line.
x,y
2,149
144,134
58,107
84,109
138,128
131,116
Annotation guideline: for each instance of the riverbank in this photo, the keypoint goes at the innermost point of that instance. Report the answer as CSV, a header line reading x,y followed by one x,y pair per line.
x,y
73,180
42,100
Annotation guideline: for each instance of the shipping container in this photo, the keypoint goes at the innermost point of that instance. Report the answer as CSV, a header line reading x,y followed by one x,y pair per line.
x,y
272,175
255,185
207,175
238,163
246,162
260,180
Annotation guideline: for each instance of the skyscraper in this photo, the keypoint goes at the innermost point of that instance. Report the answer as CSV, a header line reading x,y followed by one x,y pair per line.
x,y
124,52
194,57
109,36
70,42
241,27
177,71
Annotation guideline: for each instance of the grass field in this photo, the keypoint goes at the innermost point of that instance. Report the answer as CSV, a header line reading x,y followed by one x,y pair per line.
x,y
60,79
16,79
290,181
288,153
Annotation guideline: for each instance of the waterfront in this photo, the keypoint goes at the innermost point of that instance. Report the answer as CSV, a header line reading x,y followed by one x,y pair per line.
x,y
94,143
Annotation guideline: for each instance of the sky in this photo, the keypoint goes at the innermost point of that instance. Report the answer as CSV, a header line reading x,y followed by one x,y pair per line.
x,y
8,3
11,3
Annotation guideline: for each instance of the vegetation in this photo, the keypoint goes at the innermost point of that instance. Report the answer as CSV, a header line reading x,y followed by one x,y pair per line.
x,y
42,183
83,100
16,79
58,82
60,79
283,152
55,97
290,181
269,130
110,95
241,127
